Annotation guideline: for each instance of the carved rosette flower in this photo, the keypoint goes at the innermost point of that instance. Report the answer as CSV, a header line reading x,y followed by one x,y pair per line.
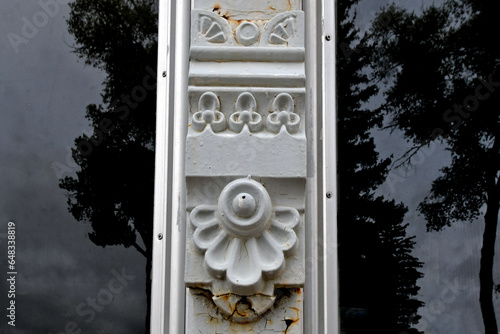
x,y
244,239
283,115
246,115
209,114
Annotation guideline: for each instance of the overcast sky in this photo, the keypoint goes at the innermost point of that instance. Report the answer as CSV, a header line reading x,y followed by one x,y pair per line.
x,y
43,93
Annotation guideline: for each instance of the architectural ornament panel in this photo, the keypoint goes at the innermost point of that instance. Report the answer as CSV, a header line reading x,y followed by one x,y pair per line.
x,y
244,238
282,30
246,115
246,163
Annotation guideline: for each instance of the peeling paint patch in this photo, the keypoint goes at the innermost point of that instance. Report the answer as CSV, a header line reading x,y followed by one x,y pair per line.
x,y
251,9
288,323
283,317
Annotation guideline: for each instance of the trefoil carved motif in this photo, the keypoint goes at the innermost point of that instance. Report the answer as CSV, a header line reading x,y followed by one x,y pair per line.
x,y
246,114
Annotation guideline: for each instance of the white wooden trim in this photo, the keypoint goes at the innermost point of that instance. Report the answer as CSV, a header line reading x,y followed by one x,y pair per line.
x,y
168,291
330,254
321,288
312,316
161,264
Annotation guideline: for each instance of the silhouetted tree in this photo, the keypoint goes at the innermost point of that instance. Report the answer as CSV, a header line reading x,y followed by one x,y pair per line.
x,y
441,68
113,190
378,274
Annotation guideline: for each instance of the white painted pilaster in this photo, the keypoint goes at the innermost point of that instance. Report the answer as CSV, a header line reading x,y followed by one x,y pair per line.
x,y
241,175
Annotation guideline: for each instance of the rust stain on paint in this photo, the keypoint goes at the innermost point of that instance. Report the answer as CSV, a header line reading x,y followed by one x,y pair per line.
x,y
292,321
289,323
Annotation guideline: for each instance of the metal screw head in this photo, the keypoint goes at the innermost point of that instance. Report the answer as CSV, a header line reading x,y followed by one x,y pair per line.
x,y
329,194
328,37
160,236
164,74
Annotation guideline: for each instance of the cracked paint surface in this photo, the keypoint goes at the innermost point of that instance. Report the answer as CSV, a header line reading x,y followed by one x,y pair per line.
x,y
243,9
284,317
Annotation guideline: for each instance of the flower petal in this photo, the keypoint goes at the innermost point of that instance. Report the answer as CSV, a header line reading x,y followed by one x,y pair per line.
x,y
244,274
206,235
220,255
202,214
270,255
289,217
284,237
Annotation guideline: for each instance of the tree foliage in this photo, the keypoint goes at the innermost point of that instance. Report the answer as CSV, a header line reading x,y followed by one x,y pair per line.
x,y
441,67
378,274
113,189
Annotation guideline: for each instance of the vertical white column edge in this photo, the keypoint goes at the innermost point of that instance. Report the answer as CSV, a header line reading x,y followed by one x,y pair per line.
x,y
330,251
180,110
312,289
160,257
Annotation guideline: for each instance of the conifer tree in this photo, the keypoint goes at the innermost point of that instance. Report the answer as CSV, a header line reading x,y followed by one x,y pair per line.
x,y
113,190
378,274
441,66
